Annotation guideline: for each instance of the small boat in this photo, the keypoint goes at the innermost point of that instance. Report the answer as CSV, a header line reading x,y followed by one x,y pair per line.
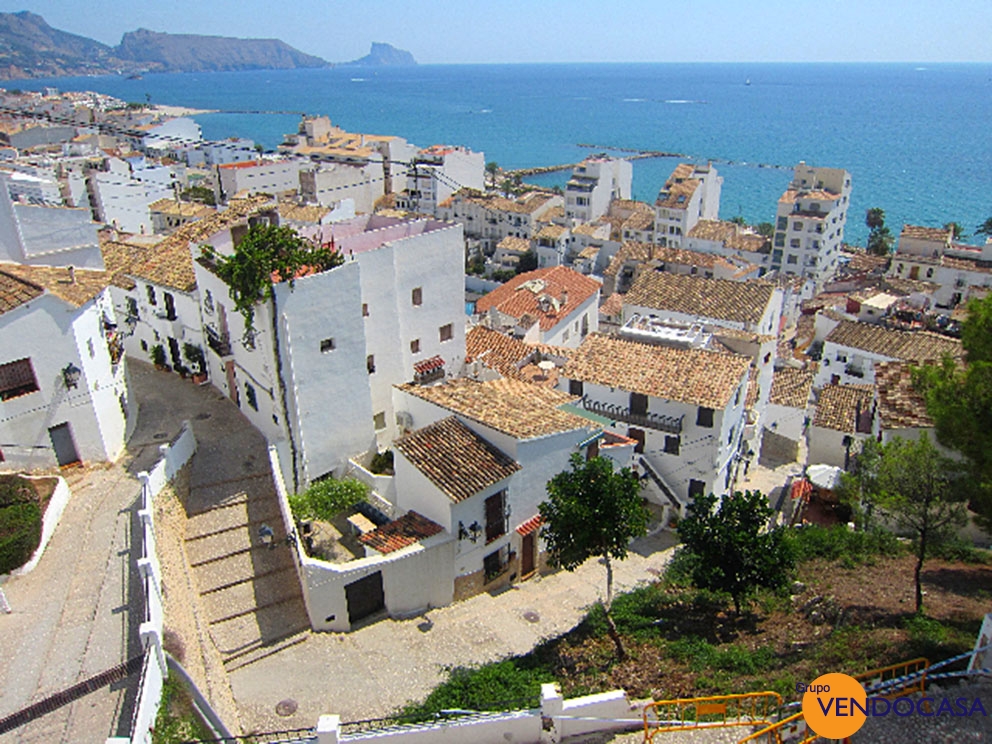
x,y
747,82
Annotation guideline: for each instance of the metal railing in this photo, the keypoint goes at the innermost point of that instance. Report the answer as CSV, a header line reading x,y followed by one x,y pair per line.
x,y
669,424
720,711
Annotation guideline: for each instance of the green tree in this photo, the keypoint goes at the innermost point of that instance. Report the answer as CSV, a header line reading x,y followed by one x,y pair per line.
x,y
879,237
506,185
985,228
267,253
492,170
922,491
325,499
729,548
738,220
858,487
528,262
593,511
200,194
766,229
957,230
875,218
959,400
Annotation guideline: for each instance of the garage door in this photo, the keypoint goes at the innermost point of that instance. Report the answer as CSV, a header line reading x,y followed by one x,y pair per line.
x,y
365,597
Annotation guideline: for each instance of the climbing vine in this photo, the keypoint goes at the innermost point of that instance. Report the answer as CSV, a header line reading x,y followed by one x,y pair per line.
x,y
265,255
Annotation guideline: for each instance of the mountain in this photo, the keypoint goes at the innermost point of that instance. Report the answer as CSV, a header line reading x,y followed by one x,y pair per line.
x,y
29,47
383,55
192,53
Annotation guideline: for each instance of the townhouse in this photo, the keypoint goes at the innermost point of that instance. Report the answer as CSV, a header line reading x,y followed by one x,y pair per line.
x,y
843,418
691,193
594,183
488,218
961,272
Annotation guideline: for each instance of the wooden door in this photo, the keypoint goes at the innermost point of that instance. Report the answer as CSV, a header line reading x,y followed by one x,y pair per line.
x,y
63,444
528,555
365,597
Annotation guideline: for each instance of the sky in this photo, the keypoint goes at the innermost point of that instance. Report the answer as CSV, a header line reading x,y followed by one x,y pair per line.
x,y
529,31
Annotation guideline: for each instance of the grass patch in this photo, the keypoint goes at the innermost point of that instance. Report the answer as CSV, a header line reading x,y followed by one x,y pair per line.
x,y
838,543
176,721
20,522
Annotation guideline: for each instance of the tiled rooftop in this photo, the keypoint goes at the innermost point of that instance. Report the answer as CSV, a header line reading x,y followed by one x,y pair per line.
x,y
791,195
839,405
724,299
791,387
455,459
716,230
639,221
400,533
302,212
496,350
521,295
15,291
551,232
695,376
613,307
908,346
514,244
520,409
900,406
171,207
916,232
83,287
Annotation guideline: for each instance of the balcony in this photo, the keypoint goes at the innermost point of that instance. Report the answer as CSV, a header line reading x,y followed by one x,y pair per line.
x,y
854,371
668,424
220,344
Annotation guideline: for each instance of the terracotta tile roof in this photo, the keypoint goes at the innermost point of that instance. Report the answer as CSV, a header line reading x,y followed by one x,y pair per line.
x,y
838,406
590,252
613,307
171,265
695,376
590,229
496,350
180,209
899,405
455,459
522,295
916,232
862,261
629,251
15,291
751,399
529,203
686,257
552,232
791,195
724,299
679,187
520,409
514,244
791,387
400,533
531,525
87,284
907,346
750,242
716,230
639,221
302,212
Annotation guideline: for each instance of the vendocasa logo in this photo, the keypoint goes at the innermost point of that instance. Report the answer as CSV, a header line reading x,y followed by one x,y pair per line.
x,y
836,706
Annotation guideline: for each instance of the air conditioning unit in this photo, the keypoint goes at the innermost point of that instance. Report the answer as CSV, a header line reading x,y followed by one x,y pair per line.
x,y
404,420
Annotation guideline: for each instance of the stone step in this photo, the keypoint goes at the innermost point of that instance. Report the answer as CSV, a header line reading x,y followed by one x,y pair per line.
x,y
263,590
240,566
259,627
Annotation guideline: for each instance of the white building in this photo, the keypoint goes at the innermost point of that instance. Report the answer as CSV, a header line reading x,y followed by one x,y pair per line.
x,y
172,134
809,227
556,306
121,196
231,150
691,194
436,173
551,245
595,182
786,416
927,254
274,177
488,218
64,394
328,184
684,407
341,338
844,417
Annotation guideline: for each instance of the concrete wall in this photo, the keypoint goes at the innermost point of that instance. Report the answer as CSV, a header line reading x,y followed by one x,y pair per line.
x,y
53,513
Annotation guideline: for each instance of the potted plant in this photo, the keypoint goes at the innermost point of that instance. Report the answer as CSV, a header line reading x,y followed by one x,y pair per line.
x,y
197,363
157,353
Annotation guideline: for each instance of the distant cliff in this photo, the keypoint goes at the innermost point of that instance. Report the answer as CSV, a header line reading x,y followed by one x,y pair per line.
x,y
191,53
29,47
383,55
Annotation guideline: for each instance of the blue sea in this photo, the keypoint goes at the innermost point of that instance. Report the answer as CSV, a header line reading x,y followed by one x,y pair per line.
x,y
916,139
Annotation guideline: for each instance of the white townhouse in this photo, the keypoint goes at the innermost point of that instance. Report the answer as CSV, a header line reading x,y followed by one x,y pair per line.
x,y
436,173
691,194
551,245
64,395
809,223
488,218
843,418
491,448
335,342
685,408
851,350
556,306
787,414
732,241
595,182
274,177
927,254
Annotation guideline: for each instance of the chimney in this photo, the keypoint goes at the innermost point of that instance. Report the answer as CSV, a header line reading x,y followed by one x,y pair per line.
x,y
72,275
564,297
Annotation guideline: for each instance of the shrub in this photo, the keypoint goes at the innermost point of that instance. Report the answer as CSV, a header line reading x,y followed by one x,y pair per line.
x,y
15,490
840,543
382,462
325,499
504,685
956,548
20,534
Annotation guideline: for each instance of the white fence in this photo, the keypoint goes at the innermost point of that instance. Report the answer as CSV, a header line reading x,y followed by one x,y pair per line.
x,y
154,671
556,719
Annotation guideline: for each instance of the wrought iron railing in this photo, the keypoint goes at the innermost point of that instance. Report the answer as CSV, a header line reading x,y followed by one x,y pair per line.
x,y
670,424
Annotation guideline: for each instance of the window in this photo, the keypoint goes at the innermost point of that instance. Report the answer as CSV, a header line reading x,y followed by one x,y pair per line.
x,y
208,304
794,243
17,379
417,296
929,273
495,564
638,436
779,240
704,417
696,488
379,421
575,387
370,363
672,445
151,294
170,306
89,347
326,345
132,307
792,259
250,396
144,345
365,309
446,332
638,404
496,514
415,346
797,225
768,357
783,223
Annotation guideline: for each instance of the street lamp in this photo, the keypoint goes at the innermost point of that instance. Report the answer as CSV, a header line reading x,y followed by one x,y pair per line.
x,y
70,376
471,532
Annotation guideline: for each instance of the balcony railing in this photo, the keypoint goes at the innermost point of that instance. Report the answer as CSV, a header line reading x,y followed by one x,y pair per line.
x,y
669,424
221,345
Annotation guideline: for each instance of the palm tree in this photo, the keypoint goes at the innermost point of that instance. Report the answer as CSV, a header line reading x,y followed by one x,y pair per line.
x,y
985,228
875,218
492,169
